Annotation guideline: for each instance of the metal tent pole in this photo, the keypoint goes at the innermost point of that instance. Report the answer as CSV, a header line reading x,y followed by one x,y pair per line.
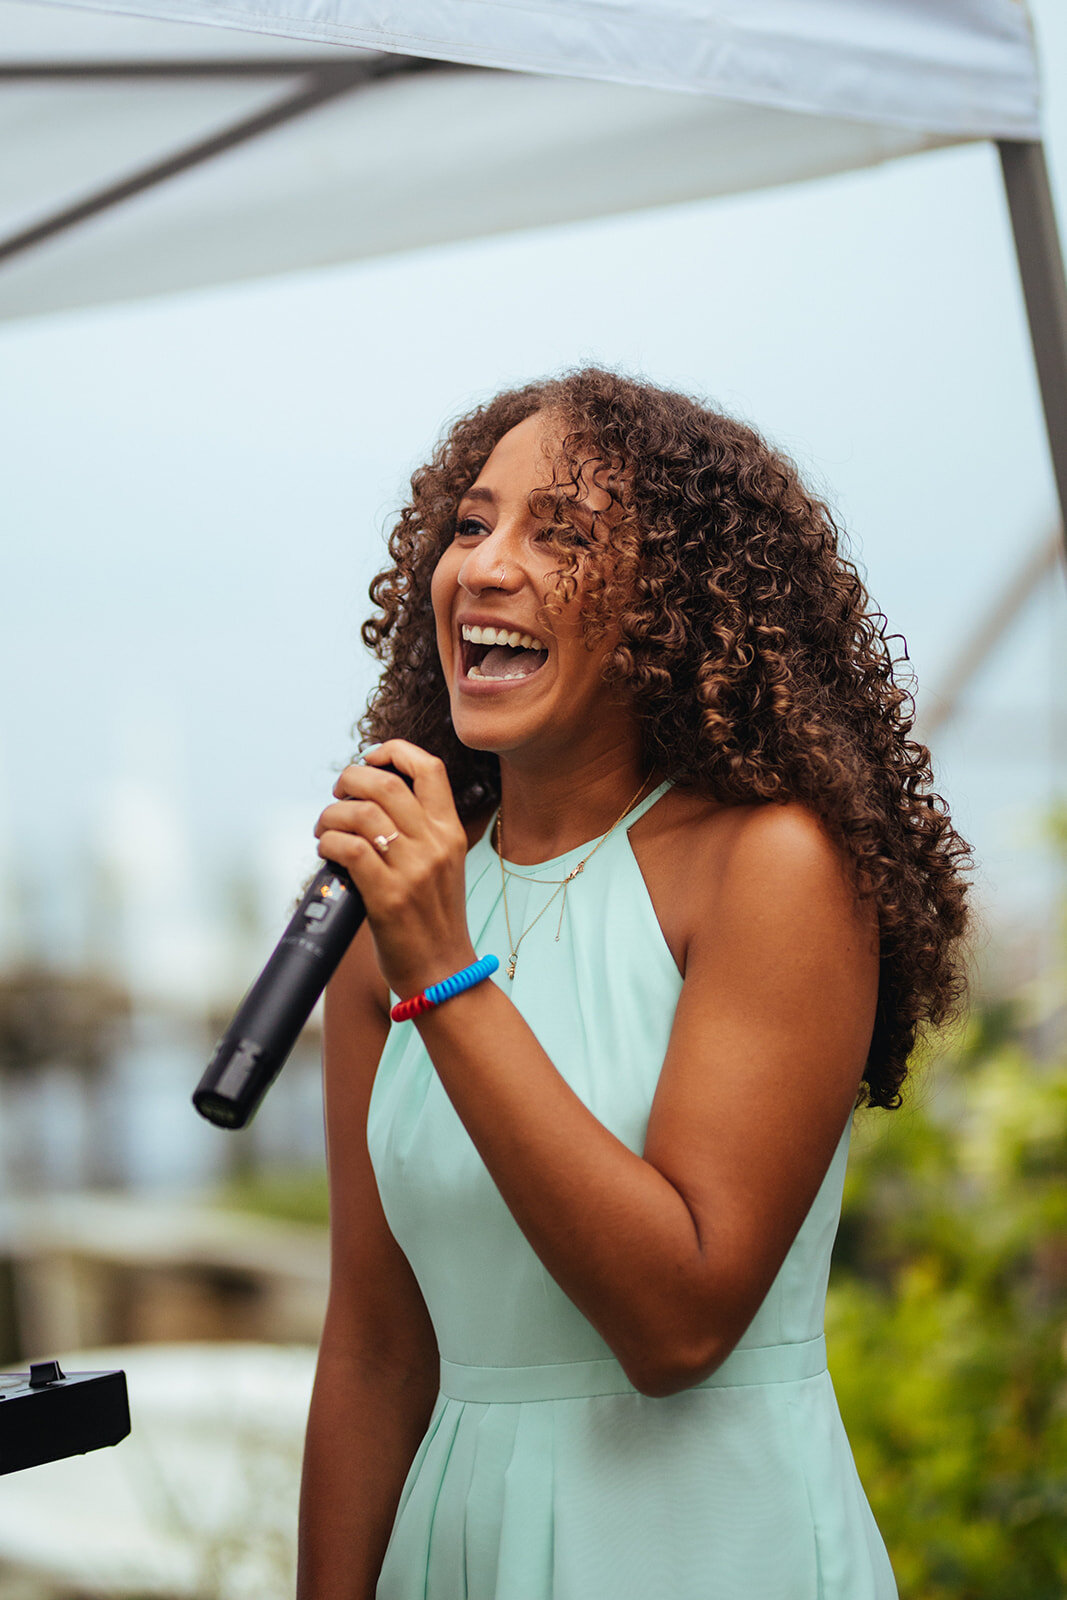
x,y
1037,246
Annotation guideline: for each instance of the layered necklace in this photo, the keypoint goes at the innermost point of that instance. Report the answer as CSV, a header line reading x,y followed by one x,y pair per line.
x,y
562,883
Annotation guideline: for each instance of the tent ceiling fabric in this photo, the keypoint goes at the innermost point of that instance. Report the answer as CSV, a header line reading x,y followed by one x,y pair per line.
x,y
963,67
393,166
412,158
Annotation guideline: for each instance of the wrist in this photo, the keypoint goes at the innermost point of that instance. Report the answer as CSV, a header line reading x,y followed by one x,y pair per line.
x,y
454,1021
434,970
452,977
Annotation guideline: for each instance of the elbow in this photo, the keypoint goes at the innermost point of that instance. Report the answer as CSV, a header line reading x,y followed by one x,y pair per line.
x,y
660,1384
671,1369
679,1340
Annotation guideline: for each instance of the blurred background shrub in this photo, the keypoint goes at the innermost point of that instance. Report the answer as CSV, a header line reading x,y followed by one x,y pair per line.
x,y
946,1316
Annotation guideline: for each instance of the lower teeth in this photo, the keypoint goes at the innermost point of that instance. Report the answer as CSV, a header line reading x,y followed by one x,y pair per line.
x,y
476,672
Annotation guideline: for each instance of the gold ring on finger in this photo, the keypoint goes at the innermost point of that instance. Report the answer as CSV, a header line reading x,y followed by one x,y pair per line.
x,y
382,842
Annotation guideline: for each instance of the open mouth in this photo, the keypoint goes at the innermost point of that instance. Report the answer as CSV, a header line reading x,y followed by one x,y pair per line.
x,y
499,662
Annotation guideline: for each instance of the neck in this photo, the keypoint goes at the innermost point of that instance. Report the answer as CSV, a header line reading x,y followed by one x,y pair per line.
x,y
545,818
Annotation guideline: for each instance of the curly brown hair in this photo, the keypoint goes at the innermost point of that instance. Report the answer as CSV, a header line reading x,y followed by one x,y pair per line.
x,y
759,668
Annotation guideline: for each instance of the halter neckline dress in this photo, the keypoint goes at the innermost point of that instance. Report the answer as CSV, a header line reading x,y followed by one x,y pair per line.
x,y
543,1473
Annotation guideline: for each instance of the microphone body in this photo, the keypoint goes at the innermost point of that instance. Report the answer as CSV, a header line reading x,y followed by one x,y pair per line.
x,y
267,1023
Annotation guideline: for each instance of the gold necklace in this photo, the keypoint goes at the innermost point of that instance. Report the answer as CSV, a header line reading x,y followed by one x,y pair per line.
x,y
562,882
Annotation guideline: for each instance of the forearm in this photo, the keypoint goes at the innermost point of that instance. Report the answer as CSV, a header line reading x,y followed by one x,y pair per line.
x,y
362,1435
615,1234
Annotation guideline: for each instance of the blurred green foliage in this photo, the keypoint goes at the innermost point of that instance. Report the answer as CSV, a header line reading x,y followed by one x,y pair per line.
x,y
947,1316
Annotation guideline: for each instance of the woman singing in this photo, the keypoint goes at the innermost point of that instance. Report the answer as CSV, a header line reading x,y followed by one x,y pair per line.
x,y
582,1205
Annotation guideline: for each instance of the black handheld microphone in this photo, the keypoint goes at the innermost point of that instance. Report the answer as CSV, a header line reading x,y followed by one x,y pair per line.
x,y
267,1023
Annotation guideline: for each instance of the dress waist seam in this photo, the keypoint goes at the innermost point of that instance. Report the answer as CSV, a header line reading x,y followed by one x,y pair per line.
x,y
576,1380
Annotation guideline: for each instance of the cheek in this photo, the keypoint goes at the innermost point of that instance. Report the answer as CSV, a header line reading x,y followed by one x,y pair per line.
x,y
439,602
442,589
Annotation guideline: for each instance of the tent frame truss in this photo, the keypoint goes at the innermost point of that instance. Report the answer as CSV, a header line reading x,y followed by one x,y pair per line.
x,y
318,84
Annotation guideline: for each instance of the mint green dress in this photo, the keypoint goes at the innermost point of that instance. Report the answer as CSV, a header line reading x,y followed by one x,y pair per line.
x,y
543,1474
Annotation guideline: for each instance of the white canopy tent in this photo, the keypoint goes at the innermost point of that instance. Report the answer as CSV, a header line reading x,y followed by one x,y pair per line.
x,y
157,153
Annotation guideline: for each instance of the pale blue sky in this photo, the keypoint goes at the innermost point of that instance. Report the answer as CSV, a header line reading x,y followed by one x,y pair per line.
x,y
197,491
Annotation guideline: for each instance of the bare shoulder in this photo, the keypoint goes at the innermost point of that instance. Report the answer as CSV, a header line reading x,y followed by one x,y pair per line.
x,y
782,841
779,862
697,854
777,898
790,830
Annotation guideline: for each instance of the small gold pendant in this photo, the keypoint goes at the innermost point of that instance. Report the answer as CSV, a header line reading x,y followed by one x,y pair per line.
x,y
511,964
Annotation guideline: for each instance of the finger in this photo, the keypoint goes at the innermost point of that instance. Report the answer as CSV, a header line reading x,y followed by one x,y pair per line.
x,y
355,816
429,773
388,791
360,858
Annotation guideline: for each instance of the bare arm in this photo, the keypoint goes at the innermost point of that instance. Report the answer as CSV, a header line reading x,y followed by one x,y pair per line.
x,y
377,1372
668,1253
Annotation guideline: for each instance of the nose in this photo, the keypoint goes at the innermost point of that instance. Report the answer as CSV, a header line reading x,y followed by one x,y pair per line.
x,y
485,566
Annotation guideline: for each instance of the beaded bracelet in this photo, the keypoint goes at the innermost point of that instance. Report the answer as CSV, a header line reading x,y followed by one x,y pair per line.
x,y
437,992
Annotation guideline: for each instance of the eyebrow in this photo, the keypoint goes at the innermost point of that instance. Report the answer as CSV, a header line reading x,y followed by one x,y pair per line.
x,y
475,493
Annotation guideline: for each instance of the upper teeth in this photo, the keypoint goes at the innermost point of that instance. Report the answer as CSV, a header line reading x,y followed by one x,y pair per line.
x,y
517,641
